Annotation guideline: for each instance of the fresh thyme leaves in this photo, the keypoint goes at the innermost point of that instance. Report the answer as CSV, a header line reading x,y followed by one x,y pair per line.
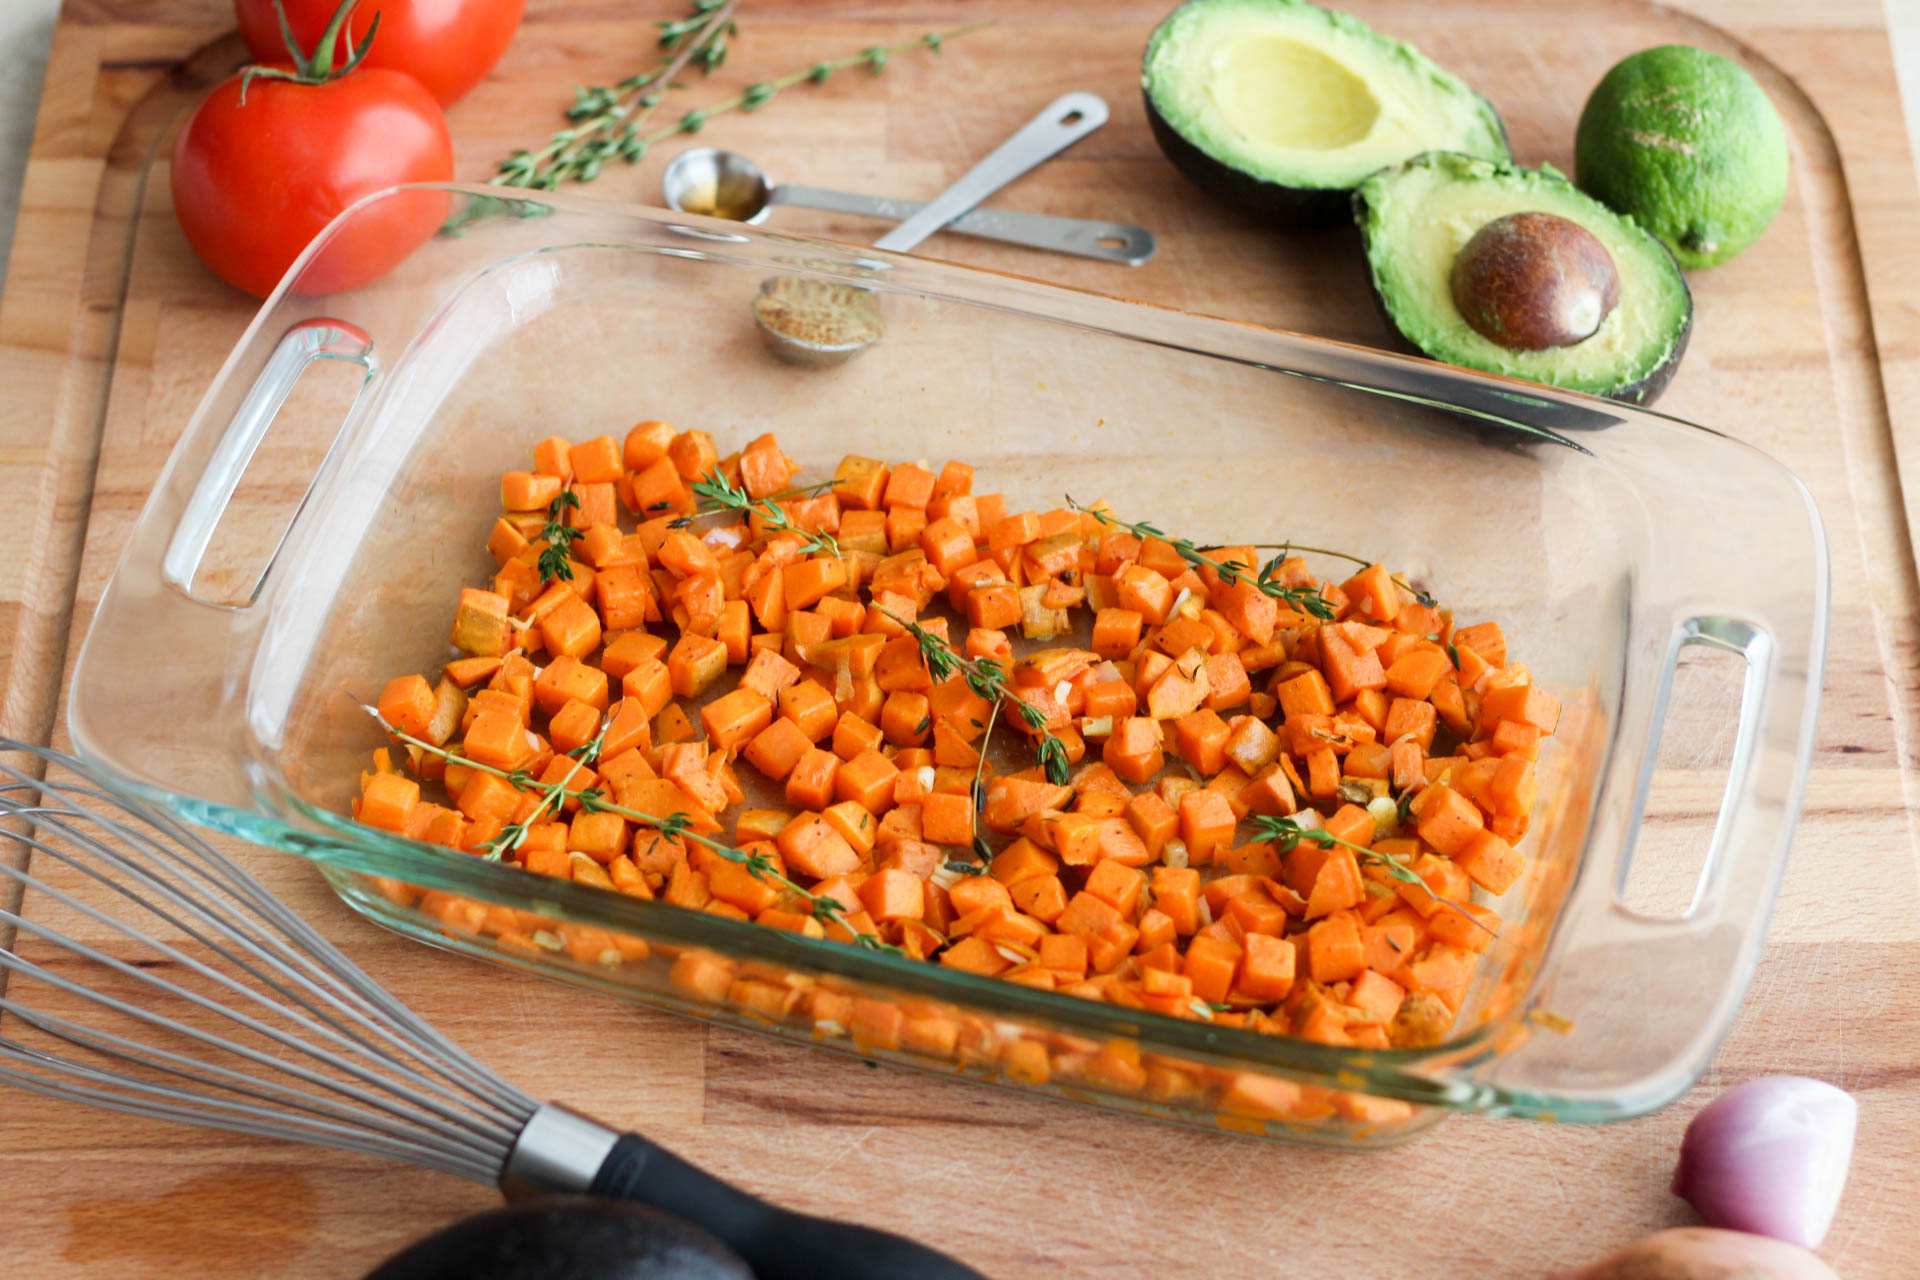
x,y
1286,833
604,121
1302,599
989,680
704,25
608,122
725,495
1288,548
1053,757
1453,654
555,561
679,826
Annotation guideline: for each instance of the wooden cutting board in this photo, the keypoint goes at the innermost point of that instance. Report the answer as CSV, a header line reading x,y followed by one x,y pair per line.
x,y
1807,346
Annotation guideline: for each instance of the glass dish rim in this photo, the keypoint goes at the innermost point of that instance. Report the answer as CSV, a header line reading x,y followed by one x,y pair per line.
x,y
334,840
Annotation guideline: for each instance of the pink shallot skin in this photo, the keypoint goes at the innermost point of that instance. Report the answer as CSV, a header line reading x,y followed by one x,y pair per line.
x,y
1770,1157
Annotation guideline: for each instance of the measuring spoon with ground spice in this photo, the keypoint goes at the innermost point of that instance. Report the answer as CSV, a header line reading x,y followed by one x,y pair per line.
x,y
814,322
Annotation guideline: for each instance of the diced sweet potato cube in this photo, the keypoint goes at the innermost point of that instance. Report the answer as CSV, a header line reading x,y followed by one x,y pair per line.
x,y
1206,824
811,846
480,624
1447,819
1334,949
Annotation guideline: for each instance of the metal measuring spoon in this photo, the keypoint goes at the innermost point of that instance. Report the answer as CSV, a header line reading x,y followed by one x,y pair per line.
x,y
726,184
826,322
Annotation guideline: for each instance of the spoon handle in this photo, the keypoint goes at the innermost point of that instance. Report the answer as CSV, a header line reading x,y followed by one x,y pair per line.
x,y
1064,121
1087,237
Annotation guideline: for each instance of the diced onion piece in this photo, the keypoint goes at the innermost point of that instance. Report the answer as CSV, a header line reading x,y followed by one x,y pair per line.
x,y
1175,853
1097,727
1309,820
945,876
1062,691
1384,812
925,773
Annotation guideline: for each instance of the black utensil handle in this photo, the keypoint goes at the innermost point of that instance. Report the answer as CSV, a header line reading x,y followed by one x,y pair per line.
x,y
776,1243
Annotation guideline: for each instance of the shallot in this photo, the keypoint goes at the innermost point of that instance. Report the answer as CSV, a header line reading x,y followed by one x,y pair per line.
x,y
1769,1157
1703,1253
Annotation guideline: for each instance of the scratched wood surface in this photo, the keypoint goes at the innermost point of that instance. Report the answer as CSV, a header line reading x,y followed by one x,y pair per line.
x,y
1807,346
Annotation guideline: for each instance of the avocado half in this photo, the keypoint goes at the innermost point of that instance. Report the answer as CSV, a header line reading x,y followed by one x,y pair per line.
x,y
1415,218
566,1238
1282,107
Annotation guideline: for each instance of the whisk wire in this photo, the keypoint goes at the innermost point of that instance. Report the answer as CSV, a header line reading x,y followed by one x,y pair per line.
x,y
298,944
318,1024
368,1097
210,1074
212,1113
340,1060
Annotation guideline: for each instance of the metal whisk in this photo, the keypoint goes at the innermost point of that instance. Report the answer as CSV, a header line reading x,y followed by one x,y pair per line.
x,y
172,984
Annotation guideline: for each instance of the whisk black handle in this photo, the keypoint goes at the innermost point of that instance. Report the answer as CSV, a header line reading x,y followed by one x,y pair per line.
x,y
777,1244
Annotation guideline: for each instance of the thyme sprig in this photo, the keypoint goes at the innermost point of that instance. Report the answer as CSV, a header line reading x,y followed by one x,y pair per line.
x,y
514,834
556,560
1305,600
874,58
827,910
989,681
606,122
727,496
1287,832
1399,579
718,508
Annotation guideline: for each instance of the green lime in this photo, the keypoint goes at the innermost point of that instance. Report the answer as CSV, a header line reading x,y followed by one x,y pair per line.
x,y
1686,144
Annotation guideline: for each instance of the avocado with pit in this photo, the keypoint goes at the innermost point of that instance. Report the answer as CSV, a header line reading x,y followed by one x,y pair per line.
x,y
1281,107
1516,271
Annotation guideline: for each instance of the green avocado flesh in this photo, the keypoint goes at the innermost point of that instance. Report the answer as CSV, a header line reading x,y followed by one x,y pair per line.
x,y
1298,96
1415,218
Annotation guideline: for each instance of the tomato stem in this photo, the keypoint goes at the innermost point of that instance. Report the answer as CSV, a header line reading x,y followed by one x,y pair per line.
x,y
317,67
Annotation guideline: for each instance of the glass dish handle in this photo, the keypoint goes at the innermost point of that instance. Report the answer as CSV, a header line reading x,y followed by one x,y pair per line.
x,y
1634,1006
304,342
123,707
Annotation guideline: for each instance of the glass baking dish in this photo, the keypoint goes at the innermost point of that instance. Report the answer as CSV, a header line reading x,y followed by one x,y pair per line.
x,y
301,548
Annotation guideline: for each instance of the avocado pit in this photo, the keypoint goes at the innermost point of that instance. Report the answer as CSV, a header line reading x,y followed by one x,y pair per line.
x,y
1531,280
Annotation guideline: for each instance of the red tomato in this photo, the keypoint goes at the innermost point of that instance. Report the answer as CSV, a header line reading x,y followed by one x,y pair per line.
x,y
255,180
447,45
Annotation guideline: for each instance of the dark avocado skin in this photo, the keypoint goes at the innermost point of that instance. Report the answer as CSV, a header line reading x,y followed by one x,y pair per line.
x,y
1641,393
575,1238
1273,203
1270,202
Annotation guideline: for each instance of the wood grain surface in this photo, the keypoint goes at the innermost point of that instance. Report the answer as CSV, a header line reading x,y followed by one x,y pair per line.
x,y
1807,346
